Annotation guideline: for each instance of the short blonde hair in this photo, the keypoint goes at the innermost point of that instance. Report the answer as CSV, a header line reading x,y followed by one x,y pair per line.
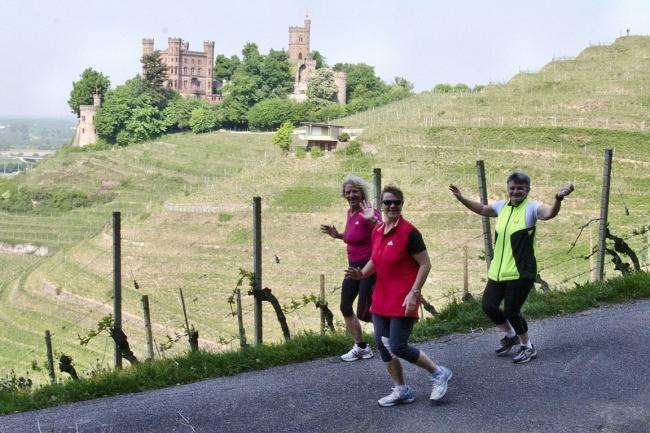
x,y
356,182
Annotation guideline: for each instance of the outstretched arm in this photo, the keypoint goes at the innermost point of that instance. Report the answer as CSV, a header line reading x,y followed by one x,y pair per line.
x,y
545,212
474,206
331,230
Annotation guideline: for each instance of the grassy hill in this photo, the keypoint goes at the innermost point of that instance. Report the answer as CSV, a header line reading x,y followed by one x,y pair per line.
x,y
187,220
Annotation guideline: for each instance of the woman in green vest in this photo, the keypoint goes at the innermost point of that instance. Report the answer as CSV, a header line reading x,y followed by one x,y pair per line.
x,y
513,269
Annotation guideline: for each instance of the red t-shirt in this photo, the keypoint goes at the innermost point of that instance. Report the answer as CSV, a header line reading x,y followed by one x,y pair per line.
x,y
357,236
395,267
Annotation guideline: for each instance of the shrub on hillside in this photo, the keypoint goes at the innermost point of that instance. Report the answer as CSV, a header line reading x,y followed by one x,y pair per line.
x,y
270,114
283,136
343,137
204,118
316,152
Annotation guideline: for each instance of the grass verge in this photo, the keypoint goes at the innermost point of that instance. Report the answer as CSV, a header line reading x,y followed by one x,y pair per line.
x,y
457,317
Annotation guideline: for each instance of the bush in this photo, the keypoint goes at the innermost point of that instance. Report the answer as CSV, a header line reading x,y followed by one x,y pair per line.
x,y
270,114
300,152
204,118
343,137
316,152
283,136
353,149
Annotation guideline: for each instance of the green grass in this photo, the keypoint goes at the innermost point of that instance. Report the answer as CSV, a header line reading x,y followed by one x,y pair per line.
x,y
456,317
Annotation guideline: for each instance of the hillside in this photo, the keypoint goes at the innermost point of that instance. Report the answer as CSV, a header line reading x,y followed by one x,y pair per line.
x,y
186,204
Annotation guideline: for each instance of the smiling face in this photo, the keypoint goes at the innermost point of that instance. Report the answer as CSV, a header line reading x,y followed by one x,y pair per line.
x,y
392,206
353,195
517,191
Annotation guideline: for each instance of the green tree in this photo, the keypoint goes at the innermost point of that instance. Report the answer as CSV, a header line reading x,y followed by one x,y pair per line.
x,y
225,67
283,136
361,81
176,114
269,114
90,82
321,61
321,88
205,118
130,113
275,74
154,70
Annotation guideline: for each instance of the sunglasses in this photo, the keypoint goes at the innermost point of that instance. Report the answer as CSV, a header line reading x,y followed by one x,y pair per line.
x,y
388,203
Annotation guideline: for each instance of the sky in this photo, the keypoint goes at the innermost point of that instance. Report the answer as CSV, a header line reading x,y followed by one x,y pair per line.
x,y
46,44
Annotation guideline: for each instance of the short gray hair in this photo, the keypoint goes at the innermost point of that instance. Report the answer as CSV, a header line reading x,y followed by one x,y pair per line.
x,y
356,182
518,176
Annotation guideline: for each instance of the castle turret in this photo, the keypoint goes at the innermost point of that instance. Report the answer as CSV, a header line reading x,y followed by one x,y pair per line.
x,y
341,80
299,42
208,49
97,100
147,46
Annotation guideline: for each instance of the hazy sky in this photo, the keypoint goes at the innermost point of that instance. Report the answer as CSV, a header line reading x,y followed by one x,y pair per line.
x,y
46,44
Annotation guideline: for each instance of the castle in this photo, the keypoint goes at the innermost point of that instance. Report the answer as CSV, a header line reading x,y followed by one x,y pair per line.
x,y
188,72
299,55
86,132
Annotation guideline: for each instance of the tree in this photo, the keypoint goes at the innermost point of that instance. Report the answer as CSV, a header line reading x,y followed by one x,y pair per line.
x,y
225,67
269,114
321,87
176,114
321,61
283,136
204,118
91,82
361,81
130,114
154,70
275,74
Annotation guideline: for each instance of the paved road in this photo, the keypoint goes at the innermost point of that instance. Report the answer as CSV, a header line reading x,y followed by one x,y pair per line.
x,y
592,375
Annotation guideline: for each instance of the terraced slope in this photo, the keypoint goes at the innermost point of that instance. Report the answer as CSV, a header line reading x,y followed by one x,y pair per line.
x,y
186,203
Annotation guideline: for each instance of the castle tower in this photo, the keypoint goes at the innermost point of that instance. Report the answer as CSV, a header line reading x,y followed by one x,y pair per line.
x,y
299,42
341,80
208,49
147,46
86,132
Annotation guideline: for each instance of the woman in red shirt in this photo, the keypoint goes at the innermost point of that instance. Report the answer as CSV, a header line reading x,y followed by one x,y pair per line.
x,y
361,219
401,264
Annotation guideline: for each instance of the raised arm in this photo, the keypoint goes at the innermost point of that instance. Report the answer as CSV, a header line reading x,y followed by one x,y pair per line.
x,y
545,212
474,206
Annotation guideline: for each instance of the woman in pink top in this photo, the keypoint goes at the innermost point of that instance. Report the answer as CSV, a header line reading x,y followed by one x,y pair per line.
x,y
361,219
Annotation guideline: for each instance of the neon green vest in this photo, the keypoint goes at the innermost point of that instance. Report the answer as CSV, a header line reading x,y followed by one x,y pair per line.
x,y
514,246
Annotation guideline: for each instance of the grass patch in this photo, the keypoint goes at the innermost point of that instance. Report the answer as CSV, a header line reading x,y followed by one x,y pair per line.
x,y
457,317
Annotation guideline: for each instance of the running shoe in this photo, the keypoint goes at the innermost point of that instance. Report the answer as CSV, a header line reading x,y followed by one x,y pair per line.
x,y
357,353
525,354
397,397
506,345
439,381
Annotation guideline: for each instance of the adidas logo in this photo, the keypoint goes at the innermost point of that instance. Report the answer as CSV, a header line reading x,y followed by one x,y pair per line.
x,y
390,243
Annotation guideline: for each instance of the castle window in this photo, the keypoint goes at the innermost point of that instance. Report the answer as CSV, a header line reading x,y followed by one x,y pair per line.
x,y
300,56
199,72
83,118
192,71
83,130
299,38
185,70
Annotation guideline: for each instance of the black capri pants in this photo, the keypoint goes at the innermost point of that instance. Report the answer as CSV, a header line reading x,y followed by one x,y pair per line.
x,y
350,289
513,294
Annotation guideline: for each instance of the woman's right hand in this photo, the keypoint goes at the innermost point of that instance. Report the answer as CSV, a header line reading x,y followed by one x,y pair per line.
x,y
455,191
354,273
330,230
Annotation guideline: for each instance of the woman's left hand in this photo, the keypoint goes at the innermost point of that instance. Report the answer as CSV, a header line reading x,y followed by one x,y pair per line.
x,y
410,303
367,211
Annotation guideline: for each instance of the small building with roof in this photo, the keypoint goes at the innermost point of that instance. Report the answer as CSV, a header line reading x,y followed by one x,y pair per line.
x,y
323,135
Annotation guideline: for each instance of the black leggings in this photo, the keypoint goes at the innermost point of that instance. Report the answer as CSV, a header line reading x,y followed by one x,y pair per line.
x,y
392,338
513,294
353,288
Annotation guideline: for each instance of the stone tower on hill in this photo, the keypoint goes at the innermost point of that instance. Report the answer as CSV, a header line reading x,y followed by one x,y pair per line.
x,y
188,72
299,55
86,132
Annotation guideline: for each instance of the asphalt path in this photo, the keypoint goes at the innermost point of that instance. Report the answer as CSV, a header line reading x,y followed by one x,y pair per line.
x,y
592,374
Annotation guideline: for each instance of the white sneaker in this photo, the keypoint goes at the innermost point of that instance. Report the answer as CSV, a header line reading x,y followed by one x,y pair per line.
x,y
357,353
396,397
439,381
